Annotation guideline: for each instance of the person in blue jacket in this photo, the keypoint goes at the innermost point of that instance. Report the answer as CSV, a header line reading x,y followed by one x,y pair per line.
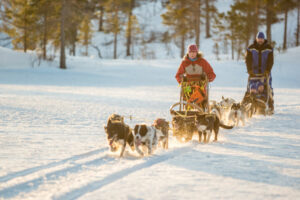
x,y
260,60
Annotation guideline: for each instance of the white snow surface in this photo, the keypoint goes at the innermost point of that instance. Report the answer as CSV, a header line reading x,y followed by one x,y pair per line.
x,y
53,145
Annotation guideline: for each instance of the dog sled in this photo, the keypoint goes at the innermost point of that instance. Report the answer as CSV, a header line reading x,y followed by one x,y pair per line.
x,y
194,93
257,100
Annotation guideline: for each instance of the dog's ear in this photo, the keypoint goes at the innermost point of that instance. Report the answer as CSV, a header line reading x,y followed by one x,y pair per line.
x,y
143,130
136,128
105,128
222,97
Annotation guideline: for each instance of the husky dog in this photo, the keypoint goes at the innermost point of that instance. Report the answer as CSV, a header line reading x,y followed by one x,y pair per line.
x,y
237,114
118,134
206,124
146,136
215,108
162,125
225,105
249,103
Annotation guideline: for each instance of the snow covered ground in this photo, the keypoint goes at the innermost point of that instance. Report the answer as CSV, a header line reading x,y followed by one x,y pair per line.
x,y
53,145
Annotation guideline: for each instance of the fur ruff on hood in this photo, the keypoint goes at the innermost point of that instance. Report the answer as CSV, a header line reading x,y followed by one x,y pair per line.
x,y
199,55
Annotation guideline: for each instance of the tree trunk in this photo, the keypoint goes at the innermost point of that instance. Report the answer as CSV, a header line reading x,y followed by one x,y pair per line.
x,y
269,13
248,28
207,17
285,28
45,39
298,24
182,45
62,36
100,28
25,29
73,53
197,22
129,27
232,49
115,45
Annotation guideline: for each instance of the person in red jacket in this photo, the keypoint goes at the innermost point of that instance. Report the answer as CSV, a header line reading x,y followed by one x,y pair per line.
x,y
193,65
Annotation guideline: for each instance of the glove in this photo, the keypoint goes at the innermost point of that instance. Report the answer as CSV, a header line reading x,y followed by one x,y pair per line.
x,y
250,73
202,77
267,73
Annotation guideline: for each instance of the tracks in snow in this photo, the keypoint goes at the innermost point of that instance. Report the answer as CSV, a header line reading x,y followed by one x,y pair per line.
x,y
32,184
103,159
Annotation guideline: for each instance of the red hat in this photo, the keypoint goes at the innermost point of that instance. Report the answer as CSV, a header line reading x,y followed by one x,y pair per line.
x,y
192,48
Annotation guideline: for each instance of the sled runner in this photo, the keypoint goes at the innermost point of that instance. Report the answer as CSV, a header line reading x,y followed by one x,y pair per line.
x,y
194,100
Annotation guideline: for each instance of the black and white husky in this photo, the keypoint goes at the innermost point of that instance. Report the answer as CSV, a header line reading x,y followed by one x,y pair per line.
x,y
237,114
146,137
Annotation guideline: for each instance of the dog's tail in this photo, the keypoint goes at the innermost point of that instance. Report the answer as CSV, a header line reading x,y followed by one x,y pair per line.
x,y
225,126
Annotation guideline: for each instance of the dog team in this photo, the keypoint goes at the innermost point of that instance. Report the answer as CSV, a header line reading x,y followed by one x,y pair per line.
x,y
144,139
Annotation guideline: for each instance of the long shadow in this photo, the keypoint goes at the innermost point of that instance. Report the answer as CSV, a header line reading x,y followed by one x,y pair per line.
x,y
49,165
31,185
78,192
280,151
238,167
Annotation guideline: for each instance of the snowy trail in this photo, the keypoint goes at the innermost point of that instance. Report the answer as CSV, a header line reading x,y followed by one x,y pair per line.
x,y
25,172
98,184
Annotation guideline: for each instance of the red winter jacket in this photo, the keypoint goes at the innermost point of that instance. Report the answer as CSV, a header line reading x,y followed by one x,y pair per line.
x,y
195,68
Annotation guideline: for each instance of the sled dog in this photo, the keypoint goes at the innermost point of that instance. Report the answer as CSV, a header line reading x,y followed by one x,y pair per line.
x,y
237,114
146,137
208,123
118,134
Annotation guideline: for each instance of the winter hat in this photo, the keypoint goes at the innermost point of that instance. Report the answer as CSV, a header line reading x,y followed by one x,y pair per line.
x,y
192,48
260,35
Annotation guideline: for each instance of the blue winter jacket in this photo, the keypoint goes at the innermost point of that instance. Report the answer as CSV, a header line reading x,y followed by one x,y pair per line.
x,y
259,58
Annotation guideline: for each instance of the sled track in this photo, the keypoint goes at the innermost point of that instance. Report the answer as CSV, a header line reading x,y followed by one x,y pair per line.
x,y
33,184
98,184
30,185
50,165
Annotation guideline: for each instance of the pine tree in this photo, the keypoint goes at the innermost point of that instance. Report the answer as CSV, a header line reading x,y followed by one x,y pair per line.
x,y
285,6
100,10
178,18
85,34
135,33
129,26
114,21
20,24
210,11
271,16
46,22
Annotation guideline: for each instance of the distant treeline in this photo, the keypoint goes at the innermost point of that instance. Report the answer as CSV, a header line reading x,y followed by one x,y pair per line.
x,y
63,24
